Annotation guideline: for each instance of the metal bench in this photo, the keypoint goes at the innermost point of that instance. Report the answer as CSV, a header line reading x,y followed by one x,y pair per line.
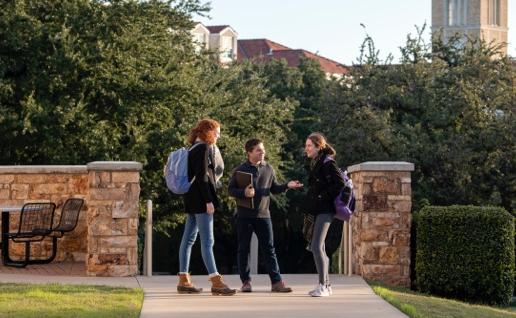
x,y
67,222
36,223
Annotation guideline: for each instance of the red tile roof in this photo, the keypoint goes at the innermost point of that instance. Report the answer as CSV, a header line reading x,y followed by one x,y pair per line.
x,y
264,49
327,65
257,47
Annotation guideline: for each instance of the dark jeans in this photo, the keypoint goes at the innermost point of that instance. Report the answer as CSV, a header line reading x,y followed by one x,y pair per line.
x,y
263,230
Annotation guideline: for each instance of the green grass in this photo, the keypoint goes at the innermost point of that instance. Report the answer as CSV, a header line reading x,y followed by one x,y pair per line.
x,y
55,300
417,305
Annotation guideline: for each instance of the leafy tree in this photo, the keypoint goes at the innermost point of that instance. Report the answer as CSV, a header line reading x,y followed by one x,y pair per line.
x,y
88,80
450,111
84,80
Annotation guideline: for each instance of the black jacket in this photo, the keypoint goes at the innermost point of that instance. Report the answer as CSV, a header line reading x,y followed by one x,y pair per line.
x,y
324,184
264,183
202,190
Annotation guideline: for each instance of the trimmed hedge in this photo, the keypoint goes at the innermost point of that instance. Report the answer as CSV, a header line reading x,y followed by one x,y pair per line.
x,y
466,252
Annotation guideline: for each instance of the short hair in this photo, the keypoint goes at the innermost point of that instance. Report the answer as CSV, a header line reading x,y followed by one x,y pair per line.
x,y
204,130
251,143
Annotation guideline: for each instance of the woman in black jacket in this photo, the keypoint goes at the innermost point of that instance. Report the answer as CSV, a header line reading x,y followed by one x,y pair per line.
x,y
325,183
200,204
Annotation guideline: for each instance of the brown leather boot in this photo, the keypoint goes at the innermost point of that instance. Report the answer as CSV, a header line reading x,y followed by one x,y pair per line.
x,y
218,288
185,286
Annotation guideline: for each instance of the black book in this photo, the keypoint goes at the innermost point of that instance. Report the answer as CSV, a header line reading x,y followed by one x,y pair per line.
x,y
243,180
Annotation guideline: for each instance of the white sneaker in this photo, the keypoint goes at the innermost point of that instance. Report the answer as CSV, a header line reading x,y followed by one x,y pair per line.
x,y
330,291
320,291
314,290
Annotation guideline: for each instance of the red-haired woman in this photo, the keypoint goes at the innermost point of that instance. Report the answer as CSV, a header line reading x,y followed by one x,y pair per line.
x,y
200,204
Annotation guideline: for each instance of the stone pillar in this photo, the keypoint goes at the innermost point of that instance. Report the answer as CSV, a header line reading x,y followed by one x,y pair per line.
x,y
382,220
113,218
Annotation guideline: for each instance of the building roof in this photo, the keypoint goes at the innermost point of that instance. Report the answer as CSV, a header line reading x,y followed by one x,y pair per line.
x,y
217,28
251,48
264,49
327,65
197,24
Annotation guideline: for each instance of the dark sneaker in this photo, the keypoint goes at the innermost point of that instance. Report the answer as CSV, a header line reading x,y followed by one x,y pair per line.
x,y
279,287
246,287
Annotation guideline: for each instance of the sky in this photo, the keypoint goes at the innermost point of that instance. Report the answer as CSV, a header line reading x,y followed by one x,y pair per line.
x,y
332,28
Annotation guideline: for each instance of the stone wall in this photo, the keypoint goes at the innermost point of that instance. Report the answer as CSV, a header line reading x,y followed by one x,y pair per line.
x,y
382,220
106,234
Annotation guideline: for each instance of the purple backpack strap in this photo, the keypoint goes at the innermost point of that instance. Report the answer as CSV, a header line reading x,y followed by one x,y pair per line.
x,y
344,174
328,158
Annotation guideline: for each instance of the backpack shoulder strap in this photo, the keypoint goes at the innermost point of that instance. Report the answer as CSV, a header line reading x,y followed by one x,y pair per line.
x,y
195,145
328,158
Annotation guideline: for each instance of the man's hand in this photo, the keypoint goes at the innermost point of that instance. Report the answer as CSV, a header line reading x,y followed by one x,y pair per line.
x,y
210,208
294,184
249,191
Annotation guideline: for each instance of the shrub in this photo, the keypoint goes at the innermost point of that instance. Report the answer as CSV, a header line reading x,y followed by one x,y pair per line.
x,y
466,252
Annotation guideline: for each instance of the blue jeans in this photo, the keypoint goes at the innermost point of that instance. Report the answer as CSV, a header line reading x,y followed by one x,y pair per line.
x,y
263,230
201,223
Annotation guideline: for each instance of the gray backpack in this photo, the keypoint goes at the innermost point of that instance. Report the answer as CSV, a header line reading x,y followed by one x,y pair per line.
x,y
176,171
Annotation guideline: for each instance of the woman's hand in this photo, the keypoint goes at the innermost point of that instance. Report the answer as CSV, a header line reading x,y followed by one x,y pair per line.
x,y
294,184
210,208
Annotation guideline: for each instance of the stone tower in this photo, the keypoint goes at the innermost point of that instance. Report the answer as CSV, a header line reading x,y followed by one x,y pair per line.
x,y
476,18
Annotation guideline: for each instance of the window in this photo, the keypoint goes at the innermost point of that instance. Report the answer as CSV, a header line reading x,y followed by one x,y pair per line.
x,y
457,12
227,42
200,38
493,12
199,41
226,47
451,11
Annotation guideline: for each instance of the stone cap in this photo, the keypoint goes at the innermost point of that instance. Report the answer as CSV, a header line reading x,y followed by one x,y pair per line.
x,y
382,166
43,169
114,166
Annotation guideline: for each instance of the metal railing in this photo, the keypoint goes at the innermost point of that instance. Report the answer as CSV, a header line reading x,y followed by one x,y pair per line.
x,y
345,254
147,250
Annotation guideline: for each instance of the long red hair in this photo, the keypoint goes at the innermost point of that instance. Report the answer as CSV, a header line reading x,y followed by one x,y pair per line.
x,y
205,130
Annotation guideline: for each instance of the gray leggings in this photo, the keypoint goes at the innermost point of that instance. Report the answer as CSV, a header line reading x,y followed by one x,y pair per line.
x,y
321,226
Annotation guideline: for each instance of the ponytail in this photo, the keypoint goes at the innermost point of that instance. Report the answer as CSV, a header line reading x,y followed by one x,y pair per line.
x,y
322,144
329,150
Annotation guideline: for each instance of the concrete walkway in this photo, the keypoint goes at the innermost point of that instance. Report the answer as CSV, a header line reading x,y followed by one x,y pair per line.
x,y
352,297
